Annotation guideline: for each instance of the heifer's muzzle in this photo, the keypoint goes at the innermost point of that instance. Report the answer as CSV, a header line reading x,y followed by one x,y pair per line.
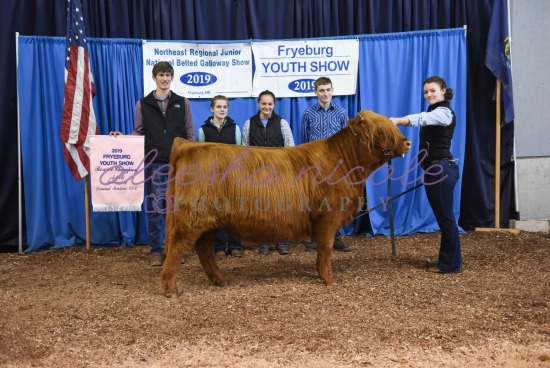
x,y
385,151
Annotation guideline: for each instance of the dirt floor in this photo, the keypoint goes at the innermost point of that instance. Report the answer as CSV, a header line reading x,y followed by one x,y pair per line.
x,y
105,308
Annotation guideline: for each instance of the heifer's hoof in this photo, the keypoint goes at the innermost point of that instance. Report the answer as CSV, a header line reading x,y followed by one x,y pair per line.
x,y
330,282
170,292
220,283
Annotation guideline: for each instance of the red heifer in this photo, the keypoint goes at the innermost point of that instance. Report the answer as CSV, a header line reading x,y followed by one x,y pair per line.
x,y
265,195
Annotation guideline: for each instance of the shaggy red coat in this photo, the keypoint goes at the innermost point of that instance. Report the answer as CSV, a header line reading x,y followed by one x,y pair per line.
x,y
263,195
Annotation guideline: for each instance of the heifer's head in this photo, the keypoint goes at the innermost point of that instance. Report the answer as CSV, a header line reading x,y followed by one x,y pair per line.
x,y
380,137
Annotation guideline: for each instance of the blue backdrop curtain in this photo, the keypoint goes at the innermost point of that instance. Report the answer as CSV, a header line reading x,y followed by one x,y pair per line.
x,y
260,19
392,72
55,203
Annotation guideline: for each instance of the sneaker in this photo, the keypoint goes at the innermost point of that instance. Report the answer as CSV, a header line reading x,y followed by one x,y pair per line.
x,y
263,251
237,253
436,269
283,250
311,247
341,246
156,259
220,255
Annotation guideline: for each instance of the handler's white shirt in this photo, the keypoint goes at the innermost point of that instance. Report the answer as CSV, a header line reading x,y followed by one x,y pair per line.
x,y
439,116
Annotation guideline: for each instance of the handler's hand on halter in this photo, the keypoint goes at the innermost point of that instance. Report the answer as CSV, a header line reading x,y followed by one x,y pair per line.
x,y
400,121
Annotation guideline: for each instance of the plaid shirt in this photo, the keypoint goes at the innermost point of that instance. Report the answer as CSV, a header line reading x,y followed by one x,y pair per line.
x,y
318,123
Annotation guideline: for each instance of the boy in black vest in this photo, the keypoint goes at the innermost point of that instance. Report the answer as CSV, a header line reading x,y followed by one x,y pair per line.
x,y
161,116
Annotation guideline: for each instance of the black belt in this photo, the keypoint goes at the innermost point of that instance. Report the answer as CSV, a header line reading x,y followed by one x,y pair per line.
x,y
443,159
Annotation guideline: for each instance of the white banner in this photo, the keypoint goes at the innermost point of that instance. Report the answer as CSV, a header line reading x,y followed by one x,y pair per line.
x,y
117,172
289,68
201,70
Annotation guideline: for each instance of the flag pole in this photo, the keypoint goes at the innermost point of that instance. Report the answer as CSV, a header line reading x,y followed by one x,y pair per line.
x,y
497,168
19,173
497,158
87,206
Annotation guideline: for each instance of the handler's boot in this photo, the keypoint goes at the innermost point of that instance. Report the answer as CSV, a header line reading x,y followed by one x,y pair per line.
x,y
156,259
340,246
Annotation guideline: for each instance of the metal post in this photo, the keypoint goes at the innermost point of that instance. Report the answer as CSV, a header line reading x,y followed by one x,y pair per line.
x,y
390,203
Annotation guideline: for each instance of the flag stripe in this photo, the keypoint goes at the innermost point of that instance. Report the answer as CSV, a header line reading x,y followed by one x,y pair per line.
x,y
77,160
81,115
70,86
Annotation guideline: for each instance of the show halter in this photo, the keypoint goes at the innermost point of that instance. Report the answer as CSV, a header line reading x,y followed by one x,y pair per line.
x,y
385,151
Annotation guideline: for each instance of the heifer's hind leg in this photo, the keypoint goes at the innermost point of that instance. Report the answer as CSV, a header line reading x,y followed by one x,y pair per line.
x,y
324,238
205,251
175,250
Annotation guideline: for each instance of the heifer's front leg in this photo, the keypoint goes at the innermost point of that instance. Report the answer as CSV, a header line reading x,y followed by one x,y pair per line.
x,y
175,250
325,241
205,251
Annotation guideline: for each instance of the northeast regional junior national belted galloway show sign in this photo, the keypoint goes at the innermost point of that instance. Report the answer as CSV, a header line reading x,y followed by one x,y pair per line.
x,y
201,70
287,68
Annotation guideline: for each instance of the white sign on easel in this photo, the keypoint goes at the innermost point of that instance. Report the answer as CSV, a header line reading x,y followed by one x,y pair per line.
x,y
117,172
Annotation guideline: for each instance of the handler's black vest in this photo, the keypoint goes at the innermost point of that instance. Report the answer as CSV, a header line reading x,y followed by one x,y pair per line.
x,y
268,136
225,135
160,130
436,139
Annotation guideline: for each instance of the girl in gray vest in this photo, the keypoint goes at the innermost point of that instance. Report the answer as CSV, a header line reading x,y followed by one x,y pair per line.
x,y
268,129
220,128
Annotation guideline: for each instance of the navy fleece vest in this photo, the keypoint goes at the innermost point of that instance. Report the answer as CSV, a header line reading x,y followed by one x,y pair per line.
x,y
436,139
160,130
225,135
268,136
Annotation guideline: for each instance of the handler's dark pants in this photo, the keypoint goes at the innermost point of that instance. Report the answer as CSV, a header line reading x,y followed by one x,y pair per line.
x,y
267,246
226,243
157,205
439,190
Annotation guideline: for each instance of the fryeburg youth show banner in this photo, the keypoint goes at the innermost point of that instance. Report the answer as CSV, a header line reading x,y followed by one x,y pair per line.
x,y
287,68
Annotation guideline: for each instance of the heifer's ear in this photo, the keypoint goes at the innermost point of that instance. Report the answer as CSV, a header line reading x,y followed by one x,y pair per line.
x,y
360,117
355,120
366,116
363,121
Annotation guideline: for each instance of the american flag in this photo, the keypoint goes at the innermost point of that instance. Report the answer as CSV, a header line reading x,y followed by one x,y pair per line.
x,y
78,122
